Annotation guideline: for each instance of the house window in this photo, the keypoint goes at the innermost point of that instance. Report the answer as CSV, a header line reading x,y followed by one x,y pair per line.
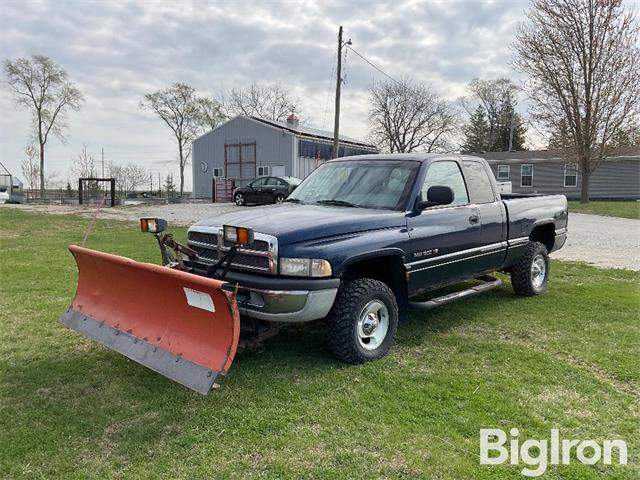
x,y
526,176
570,175
503,172
217,172
263,171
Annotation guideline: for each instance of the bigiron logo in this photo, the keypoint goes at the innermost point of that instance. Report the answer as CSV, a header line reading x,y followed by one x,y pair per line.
x,y
538,454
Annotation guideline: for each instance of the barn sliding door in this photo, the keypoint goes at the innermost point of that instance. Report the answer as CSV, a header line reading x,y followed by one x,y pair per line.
x,y
240,162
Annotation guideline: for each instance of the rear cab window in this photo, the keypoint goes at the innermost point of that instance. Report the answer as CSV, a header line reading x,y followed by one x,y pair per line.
x,y
478,182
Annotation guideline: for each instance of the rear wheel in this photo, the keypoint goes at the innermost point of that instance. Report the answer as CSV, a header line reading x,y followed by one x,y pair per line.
x,y
279,198
239,199
362,324
530,276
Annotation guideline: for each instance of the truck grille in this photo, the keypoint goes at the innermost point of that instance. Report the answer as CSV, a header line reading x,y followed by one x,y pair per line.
x,y
261,255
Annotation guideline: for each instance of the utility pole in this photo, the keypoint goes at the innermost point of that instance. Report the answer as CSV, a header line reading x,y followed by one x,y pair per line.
x,y
336,123
511,133
104,188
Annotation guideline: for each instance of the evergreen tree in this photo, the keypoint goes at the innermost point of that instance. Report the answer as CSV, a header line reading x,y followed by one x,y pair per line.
x,y
476,132
508,119
69,190
169,186
561,138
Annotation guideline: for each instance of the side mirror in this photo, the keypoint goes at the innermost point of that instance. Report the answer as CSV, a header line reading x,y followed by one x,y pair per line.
x,y
436,195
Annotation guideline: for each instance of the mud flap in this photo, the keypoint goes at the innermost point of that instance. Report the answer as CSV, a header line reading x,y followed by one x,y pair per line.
x,y
183,326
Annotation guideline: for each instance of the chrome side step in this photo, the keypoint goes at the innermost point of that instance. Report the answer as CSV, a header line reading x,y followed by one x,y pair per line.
x,y
489,284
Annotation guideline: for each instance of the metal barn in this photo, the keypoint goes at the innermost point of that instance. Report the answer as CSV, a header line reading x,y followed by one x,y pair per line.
x,y
244,148
618,177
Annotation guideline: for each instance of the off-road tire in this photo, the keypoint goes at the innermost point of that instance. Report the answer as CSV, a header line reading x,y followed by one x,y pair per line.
x,y
521,280
343,318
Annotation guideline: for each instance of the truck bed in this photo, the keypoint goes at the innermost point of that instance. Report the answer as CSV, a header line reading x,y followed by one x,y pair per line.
x,y
543,217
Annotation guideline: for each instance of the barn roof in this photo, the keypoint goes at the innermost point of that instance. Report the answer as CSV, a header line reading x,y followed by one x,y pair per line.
x,y
304,131
307,131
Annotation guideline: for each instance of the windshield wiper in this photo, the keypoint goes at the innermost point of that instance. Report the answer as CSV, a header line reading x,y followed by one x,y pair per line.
x,y
339,203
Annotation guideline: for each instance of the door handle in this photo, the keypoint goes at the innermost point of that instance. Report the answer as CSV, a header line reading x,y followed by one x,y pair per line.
x,y
474,219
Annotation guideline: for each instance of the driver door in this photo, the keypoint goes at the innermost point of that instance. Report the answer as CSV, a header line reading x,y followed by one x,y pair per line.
x,y
443,236
257,193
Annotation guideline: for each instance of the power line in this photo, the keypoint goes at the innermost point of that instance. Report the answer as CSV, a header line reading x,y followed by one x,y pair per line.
x,y
379,69
330,84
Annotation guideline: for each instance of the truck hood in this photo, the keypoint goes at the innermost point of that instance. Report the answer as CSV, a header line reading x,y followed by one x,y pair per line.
x,y
293,223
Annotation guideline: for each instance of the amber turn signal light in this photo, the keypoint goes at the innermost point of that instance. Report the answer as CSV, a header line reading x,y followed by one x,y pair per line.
x,y
240,236
153,225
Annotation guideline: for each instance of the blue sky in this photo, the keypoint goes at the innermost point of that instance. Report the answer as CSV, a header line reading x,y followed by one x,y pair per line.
x,y
117,51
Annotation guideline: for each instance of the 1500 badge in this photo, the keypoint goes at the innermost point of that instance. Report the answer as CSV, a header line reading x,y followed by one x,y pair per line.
x,y
426,253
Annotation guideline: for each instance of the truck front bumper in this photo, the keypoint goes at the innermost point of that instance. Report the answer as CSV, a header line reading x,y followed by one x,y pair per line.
x,y
276,299
293,306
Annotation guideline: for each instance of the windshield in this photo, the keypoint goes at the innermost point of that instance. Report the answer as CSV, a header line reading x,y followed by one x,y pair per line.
x,y
353,183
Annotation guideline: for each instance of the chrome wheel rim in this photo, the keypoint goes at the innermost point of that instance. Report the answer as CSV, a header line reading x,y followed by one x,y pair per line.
x,y
373,325
239,199
538,271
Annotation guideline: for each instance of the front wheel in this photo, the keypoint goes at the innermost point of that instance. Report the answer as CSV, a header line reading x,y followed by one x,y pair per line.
x,y
362,323
530,276
239,199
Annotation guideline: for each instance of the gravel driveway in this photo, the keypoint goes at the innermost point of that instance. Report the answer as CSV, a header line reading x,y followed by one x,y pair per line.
x,y
174,213
601,241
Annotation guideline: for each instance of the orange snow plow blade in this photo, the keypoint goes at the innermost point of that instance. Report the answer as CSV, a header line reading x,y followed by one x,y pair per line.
x,y
183,326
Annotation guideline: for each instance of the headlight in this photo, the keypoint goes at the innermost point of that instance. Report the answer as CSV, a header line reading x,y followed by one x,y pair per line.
x,y
305,267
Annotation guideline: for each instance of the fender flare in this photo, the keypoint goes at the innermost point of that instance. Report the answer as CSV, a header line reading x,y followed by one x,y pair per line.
x,y
384,252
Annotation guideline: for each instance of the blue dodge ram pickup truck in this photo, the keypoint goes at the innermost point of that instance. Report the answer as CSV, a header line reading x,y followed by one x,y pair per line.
x,y
362,235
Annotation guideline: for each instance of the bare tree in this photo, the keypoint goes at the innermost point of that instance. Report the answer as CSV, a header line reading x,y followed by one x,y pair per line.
x,y
408,116
211,112
181,110
84,165
583,60
44,88
136,175
30,167
128,177
271,102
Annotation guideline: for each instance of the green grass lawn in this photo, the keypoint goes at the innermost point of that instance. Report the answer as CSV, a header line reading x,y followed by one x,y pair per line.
x,y
625,209
71,408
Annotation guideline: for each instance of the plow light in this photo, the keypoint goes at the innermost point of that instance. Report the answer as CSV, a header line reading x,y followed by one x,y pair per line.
x,y
153,225
240,236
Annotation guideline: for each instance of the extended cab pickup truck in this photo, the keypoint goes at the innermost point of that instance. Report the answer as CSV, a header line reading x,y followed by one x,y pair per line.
x,y
362,235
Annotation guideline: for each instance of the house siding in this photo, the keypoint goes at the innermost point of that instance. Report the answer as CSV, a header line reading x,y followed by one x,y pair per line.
x,y
616,178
